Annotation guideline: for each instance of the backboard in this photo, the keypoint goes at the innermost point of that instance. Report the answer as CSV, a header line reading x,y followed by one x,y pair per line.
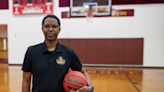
x,y
90,7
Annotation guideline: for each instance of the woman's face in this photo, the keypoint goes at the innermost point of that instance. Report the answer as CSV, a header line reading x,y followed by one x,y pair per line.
x,y
51,29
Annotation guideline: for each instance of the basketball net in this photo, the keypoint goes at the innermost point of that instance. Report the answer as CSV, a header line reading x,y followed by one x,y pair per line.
x,y
89,14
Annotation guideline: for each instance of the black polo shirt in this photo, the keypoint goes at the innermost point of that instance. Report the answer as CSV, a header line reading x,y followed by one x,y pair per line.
x,y
49,68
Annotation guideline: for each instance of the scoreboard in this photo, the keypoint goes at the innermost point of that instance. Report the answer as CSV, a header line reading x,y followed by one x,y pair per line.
x,y
22,7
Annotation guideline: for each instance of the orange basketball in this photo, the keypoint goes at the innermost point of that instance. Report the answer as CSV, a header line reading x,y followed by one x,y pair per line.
x,y
74,80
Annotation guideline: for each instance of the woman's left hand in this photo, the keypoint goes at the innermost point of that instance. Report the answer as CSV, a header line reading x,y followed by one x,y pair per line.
x,y
84,89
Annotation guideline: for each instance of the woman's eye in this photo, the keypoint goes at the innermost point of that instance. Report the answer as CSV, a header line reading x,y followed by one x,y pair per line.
x,y
46,26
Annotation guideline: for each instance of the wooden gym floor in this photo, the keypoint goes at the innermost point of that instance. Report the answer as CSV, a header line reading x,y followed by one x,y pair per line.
x,y
103,79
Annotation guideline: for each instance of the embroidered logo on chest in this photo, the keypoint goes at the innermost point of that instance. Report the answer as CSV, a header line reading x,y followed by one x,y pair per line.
x,y
60,60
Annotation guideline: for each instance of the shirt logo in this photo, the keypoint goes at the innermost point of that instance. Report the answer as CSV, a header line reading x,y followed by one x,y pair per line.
x,y
60,60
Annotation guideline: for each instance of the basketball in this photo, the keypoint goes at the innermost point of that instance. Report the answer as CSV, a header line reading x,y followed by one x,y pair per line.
x,y
74,80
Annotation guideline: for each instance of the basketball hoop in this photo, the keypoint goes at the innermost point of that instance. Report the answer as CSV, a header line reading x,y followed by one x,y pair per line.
x,y
89,13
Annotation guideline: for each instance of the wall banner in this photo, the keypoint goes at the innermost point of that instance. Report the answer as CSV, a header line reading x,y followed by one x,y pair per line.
x,y
23,7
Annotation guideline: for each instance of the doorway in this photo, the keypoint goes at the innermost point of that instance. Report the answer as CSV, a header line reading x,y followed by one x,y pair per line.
x,y
3,44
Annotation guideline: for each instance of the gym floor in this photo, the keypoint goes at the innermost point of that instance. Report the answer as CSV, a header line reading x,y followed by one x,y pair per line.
x,y
104,79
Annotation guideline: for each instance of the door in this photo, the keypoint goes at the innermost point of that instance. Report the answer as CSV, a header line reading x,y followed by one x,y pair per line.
x,y
3,44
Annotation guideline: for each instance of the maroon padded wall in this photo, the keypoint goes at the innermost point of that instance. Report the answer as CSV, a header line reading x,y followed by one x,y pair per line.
x,y
108,51
4,4
119,2
65,3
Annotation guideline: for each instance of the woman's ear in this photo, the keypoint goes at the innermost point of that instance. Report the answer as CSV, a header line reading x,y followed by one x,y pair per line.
x,y
59,29
42,28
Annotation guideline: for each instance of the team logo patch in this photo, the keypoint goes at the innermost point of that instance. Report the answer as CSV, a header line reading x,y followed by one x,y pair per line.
x,y
60,60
